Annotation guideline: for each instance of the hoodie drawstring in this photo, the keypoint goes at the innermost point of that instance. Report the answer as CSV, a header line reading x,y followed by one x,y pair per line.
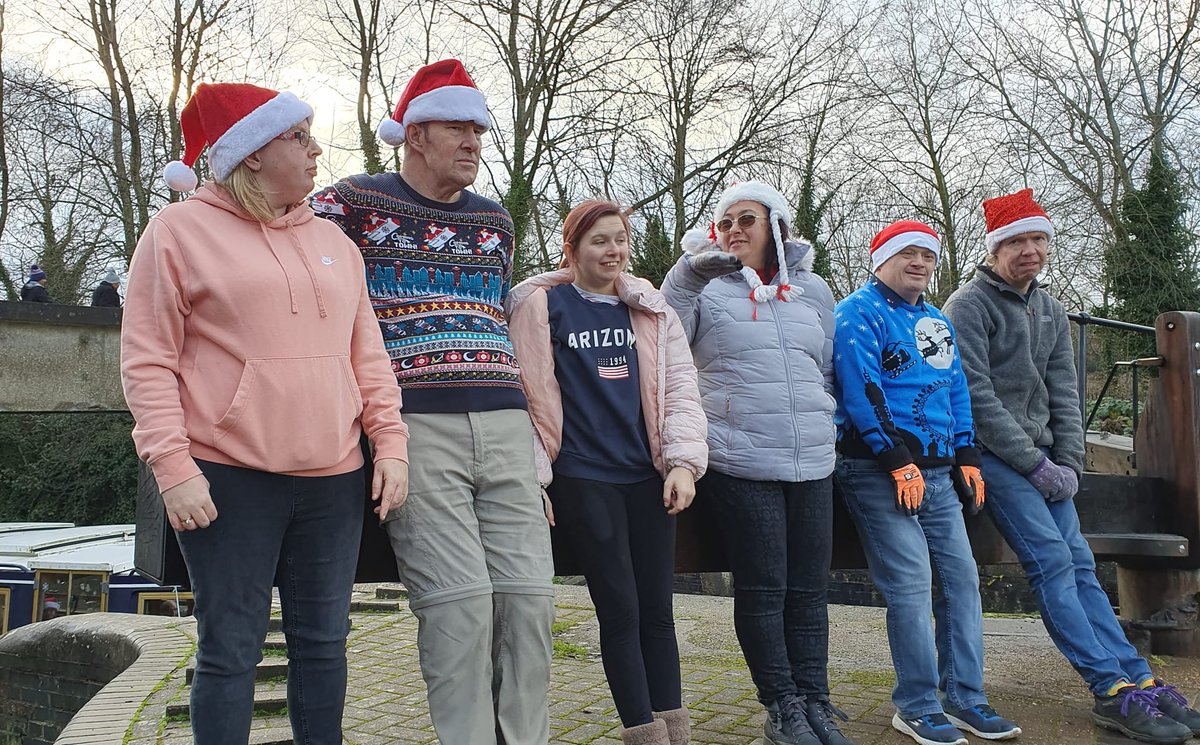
x,y
282,268
311,277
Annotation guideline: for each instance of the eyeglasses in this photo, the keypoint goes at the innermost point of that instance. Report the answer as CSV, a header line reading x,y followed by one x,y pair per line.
x,y
299,136
744,222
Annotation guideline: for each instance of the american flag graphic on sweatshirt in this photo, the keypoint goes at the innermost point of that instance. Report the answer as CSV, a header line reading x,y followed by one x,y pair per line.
x,y
613,368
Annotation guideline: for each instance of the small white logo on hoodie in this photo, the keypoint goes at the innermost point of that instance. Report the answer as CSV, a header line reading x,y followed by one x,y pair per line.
x,y
328,260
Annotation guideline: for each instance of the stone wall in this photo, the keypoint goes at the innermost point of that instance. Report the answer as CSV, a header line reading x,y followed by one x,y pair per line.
x,y
82,679
48,671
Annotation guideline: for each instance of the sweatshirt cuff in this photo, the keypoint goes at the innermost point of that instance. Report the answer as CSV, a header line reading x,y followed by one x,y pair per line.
x,y
174,468
897,457
390,445
968,456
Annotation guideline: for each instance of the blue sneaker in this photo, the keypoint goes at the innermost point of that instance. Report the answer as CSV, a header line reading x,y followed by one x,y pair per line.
x,y
983,721
931,729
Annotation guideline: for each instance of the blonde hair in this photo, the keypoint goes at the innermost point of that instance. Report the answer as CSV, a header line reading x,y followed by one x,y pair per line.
x,y
990,260
243,186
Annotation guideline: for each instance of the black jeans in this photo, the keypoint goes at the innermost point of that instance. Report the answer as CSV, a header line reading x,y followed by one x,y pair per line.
x,y
301,534
625,542
779,537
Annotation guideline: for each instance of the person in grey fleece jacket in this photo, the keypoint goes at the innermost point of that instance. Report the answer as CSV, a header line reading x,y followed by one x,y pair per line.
x,y
1016,349
760,324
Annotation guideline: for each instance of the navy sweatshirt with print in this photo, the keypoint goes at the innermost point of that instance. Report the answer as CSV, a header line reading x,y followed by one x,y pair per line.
x,y
595,363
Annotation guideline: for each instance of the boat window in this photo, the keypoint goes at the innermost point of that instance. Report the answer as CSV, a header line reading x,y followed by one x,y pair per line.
x,y
70,593
166,603
4,598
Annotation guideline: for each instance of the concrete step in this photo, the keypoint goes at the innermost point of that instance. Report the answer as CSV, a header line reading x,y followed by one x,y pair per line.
x,y
391,592
275,624
270,667
276,735
275,641
269,698
378,606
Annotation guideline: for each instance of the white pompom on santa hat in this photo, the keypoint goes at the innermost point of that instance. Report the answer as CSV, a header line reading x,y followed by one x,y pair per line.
x,y
1014,214
233,120
438,92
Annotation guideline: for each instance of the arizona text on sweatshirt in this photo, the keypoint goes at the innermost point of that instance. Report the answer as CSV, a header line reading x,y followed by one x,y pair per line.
x,y
902,394
253,344
438,274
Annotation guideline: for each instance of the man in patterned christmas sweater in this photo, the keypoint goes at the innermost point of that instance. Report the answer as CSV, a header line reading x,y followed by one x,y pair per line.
x,y
471,542
904,425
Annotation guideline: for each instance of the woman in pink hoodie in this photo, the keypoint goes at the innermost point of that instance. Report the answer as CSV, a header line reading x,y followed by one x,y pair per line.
x,y
252,363
620,438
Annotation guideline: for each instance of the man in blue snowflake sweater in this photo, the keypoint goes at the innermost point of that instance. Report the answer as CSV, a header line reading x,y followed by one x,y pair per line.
x,y
906,456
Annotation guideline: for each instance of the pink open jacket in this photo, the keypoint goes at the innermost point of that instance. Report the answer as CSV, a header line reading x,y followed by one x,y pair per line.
x,y
675,421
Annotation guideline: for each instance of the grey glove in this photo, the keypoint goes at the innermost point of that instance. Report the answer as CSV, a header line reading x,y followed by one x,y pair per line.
x,y
713,264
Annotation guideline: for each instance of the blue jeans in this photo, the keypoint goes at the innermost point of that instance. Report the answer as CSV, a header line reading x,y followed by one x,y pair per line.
x,y
1062,571
301,534
899,552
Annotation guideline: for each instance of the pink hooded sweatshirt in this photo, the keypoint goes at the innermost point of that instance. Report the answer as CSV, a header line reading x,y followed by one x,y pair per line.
x,y
675,422
253,344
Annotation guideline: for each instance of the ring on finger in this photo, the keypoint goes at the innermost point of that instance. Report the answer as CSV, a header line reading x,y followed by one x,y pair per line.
x,y
188,521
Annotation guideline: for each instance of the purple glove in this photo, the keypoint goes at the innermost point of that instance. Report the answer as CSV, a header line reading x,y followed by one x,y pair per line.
x,y
1047,478
1070,485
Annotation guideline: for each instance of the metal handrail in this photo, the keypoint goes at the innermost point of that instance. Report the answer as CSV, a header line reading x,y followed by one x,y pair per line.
x,y
1083,320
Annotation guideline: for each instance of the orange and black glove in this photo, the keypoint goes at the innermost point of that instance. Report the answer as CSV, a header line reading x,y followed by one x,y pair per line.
x,y
910,489
968,484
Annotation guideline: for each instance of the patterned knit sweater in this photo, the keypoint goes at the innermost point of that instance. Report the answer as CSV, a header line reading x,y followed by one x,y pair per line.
x,y
437,274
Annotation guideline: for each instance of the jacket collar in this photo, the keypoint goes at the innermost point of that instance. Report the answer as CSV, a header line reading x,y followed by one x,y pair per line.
x,y
635,292
986,274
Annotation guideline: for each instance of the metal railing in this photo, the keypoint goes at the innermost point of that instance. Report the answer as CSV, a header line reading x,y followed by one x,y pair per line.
x,y
1083,320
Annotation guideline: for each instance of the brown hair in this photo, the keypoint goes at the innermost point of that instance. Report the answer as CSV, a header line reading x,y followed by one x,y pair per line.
x,y
583,217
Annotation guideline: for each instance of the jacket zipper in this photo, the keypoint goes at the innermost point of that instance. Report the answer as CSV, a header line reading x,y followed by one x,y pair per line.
x,y
787,371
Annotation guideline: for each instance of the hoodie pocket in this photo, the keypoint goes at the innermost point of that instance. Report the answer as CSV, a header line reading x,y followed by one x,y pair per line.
x,y
291,414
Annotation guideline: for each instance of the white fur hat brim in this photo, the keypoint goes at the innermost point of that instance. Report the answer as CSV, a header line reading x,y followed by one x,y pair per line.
x,y
255,130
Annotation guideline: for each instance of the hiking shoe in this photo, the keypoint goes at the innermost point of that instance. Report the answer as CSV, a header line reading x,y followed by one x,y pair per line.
x,y
1172,704
931,729
787,723
983,721
821,713
1134,713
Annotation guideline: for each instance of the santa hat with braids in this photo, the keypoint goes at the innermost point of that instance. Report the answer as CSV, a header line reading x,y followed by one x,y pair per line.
x,y
778,214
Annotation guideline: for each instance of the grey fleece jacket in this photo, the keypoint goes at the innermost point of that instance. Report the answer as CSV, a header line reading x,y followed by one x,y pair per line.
x,y
1016,350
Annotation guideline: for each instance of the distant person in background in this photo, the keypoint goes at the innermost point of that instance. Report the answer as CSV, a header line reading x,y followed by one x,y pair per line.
x,y
51,609
34,290
1019,361
105,295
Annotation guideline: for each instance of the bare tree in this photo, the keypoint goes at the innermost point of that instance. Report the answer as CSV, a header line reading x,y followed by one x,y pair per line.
x,y
545,50
1090,85
929,137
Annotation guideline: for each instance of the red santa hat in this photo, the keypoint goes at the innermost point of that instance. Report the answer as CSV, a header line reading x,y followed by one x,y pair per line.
x,y
233,120
440,92
1014,214
900,235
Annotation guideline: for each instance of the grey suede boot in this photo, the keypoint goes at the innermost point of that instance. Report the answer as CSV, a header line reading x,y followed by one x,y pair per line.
x,y
654,733
679,725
